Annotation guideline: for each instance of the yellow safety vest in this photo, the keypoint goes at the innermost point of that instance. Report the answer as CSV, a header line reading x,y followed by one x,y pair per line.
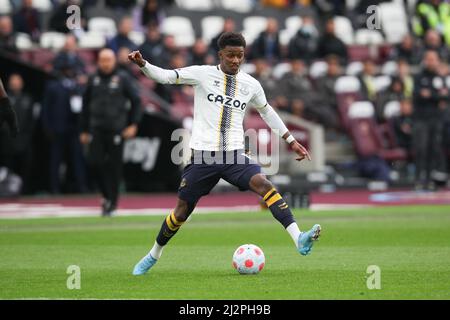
x,y
437,19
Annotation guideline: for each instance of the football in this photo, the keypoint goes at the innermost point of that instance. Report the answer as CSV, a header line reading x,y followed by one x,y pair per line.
x,y
248,259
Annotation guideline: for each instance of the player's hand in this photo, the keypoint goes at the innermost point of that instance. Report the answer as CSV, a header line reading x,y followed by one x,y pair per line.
x,y
85,138
136,57
8,115
129,132
300,151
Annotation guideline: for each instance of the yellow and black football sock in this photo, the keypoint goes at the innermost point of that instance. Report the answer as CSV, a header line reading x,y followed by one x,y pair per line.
x,y
279,208
169,227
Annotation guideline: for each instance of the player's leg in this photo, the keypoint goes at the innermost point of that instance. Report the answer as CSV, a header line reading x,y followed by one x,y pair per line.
x,y
197,181
169,228
281,212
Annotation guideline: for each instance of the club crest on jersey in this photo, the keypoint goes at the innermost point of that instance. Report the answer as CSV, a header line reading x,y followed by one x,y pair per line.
x,y
226,101
244,90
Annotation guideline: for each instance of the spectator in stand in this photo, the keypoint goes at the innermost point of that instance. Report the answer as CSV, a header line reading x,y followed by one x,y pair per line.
x,y
152,13
430,101
15,153
366,78
164,56
404,73
69,56
153,44
325,88
264,76
122,38
60,118
7,35
408,49
330,44
297,89
58,19
395,92
28,20
433,41
304,43
228,26
433,15
267,44
403,124
199,54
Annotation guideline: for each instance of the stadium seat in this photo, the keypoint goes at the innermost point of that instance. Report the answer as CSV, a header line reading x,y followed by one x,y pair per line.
x,y
351,4
23,41
102,25
347,90
354,68
242,6
255,122
5,7
361,109
248,68
368,37
347,84
391,109
87,55
180,28
318,69
358,53
43,5
293,23
344,29
393,21
211,27
382,82
52,40
195,5
368,137
280,69
43,58
389,68
92,40
253,26
286,36
137,37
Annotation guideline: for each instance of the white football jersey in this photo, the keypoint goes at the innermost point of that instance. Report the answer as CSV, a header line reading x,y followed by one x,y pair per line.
x,y
220,103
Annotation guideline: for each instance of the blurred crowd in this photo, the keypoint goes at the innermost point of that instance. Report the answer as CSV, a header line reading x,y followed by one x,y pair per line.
x,y
415,71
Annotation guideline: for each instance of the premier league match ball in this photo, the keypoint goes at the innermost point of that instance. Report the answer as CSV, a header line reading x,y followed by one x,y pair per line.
x,y
248,259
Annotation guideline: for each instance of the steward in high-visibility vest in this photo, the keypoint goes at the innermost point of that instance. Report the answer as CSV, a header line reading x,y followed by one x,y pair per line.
x,y
434,14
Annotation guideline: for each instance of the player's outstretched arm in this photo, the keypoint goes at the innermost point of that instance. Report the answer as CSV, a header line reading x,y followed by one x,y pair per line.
x,y
274,121
160,75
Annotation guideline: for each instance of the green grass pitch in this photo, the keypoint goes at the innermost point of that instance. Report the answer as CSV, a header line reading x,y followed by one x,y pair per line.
x,y
411,246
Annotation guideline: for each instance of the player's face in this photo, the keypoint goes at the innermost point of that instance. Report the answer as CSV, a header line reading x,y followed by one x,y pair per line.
x,y
231,59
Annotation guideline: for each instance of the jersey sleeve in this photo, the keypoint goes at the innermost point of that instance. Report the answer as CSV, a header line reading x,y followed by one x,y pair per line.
x,y
258,100
190,75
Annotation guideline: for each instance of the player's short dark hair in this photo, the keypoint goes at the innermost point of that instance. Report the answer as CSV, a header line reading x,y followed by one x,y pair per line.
x,y
233,39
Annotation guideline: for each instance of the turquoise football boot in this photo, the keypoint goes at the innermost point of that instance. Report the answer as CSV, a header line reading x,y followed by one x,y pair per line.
x,y
144,265
306,239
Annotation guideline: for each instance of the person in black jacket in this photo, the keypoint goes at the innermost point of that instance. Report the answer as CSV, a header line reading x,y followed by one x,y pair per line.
x,y
331,44
430,99
111,112
16,153
267,45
